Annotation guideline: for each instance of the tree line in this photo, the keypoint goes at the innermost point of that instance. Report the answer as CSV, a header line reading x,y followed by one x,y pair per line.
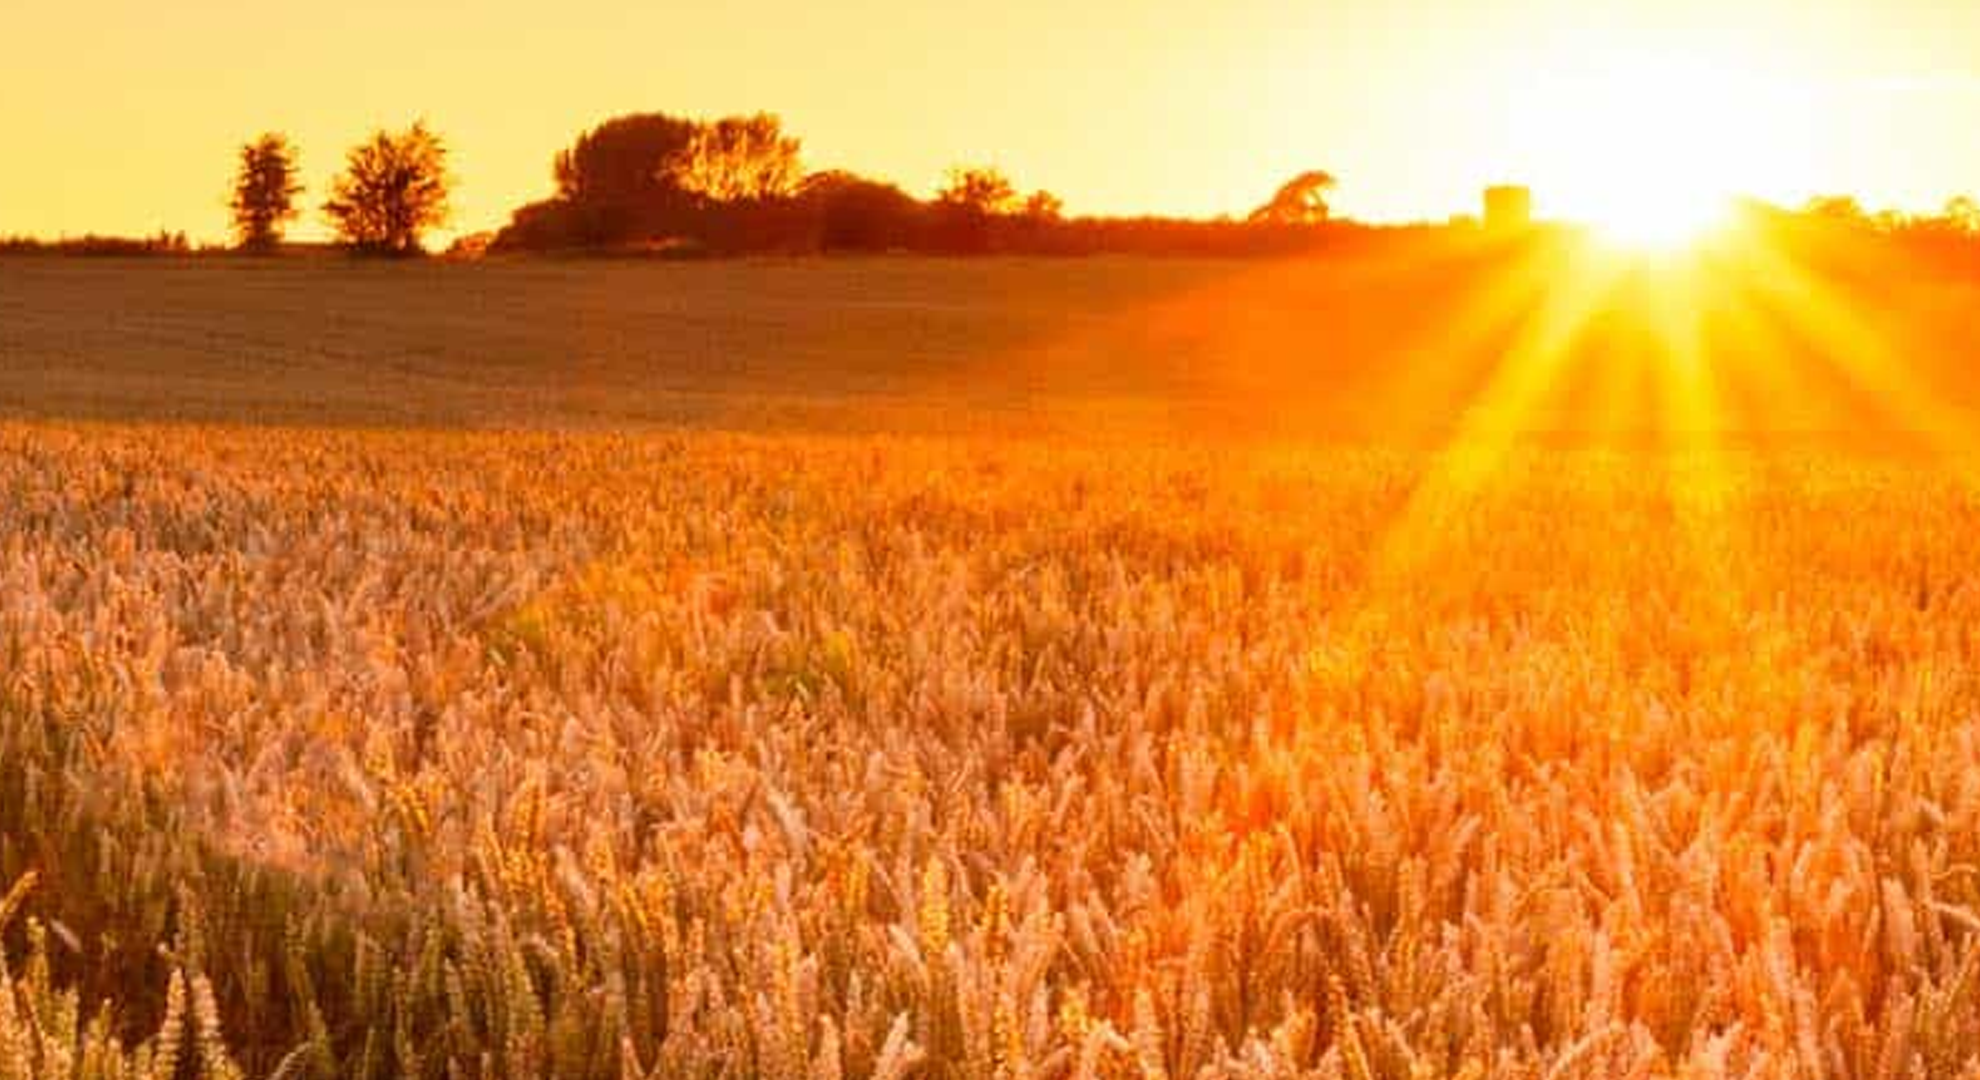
x,y
656,183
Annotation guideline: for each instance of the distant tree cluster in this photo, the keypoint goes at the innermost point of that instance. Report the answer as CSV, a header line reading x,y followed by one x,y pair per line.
x,y
663,183
392,192
654,179
1960,217
1834,232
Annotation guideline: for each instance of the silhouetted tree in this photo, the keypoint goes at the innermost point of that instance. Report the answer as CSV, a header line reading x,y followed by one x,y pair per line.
x,y
1894,221
1842,209
978,189
741,157
1962,215
1043,206
265,190
853,213
969,206
1301,201
393,189
625,158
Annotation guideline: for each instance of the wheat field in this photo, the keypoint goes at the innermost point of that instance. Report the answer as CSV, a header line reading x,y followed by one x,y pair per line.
x,y
865,738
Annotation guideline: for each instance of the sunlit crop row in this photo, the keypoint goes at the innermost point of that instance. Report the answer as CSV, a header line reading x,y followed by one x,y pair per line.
x,y
377,756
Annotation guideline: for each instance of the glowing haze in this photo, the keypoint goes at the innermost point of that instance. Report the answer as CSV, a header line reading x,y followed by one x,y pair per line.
x,y
121,116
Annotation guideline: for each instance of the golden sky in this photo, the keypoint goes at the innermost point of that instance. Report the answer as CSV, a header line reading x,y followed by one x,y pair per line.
x,y
121,116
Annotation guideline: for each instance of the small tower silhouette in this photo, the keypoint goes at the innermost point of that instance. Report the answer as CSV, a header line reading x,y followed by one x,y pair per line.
x,y
1508,208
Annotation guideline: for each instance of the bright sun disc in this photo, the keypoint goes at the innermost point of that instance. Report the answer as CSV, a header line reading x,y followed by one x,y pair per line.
x,y
1662,225
1649,150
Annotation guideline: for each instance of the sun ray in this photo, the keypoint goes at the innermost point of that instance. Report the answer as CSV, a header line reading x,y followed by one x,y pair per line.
x,y
1692,425
1446,365
1691,421
1575,285
1873,361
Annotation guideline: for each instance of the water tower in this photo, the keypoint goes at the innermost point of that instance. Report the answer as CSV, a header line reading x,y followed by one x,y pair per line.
x,y
1508,208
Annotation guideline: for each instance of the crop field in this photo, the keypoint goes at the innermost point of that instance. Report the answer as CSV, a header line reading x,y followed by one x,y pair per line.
x,y
1385,349
954,670
590,343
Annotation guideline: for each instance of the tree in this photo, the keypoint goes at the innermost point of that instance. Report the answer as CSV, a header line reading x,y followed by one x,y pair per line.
x,y
1301,201
265,190
740,157
625,158
1842,209
1044,206
394,188
1962,215
977,189
854,213
970,208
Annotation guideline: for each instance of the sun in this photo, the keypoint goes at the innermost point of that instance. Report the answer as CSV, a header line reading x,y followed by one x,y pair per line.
x,y
1662,221
1648,149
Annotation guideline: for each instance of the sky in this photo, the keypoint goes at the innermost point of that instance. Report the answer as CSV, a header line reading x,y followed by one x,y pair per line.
x,y
122,116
